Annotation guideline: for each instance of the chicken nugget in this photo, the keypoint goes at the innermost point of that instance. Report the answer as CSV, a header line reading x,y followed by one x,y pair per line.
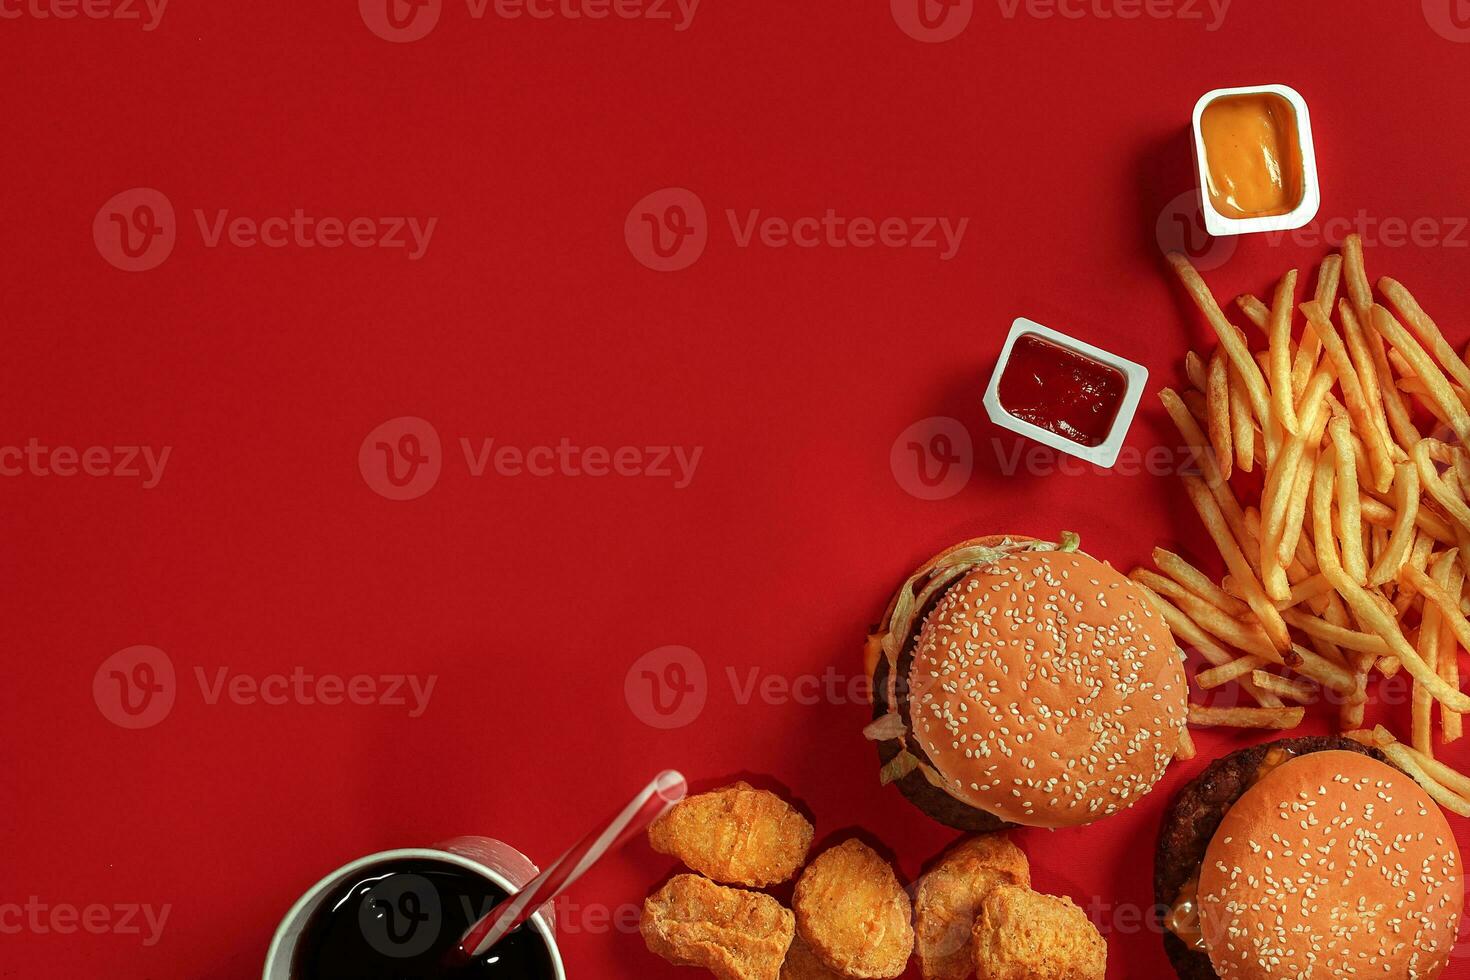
x,y
735,934
738,835
1021,935
948,898
802,964
853,913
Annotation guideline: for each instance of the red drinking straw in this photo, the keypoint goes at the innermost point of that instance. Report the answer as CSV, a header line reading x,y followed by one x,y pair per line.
x,y
669,788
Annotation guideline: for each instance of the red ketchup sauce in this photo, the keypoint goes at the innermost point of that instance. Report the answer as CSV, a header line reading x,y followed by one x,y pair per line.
x,y
1060,391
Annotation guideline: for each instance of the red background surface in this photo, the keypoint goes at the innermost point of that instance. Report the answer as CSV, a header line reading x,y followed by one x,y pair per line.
x,y
528,320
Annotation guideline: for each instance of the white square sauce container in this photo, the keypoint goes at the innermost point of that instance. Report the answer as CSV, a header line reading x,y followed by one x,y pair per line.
x,y
1135,377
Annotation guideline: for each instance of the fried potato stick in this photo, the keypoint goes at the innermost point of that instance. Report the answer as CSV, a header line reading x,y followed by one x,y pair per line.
x,y
1197,582
1349,516
1441,599
1355,339
1417,765
1276,498
1422,705
1299,691
1217,404
1296,510
1439,386
1194,370
1240,667
1277,718
1231,631
1193,437
1451,722
1400,421
1234,345
1255,595
1186,750
1381,514
1352,389
1310,348
1419,559
1425,329
1279,347
1242,424
1254,310
1402,536
1338,636
1368,612
1187,630
1354,275
1436,486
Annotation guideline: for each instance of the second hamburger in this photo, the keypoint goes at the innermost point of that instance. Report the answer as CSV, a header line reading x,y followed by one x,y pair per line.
x,y
1309,858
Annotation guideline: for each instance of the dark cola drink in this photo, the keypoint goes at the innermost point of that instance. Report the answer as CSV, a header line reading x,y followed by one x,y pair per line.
x,y
401,920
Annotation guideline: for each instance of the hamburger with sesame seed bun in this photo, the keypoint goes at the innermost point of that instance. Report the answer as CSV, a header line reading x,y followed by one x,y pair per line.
x,y
1309,858
1022,682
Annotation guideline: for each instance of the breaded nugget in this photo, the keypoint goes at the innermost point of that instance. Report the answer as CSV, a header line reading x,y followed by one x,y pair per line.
x,y
948,899
735,934
853,913
802,964
738,835
1021,935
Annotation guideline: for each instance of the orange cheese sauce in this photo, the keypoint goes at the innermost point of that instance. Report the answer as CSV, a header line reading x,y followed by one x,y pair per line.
x,y
1253,155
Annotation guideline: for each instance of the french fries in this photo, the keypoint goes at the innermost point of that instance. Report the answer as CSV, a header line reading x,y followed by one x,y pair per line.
x,y
1354,337
1186,630
1280,486
1353,560
1449,787
1349,516
1279,336
1449,655
1439,386
1310,348
1255,595
1422,706
1234,345
1447,605
1336,635
1198,582
1242,426
1364,421
1236,669
1217,402
1186,750
1278,718
1363,606
1425,329
1255,311
1418,765
1401,539
1194,370
1285,687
